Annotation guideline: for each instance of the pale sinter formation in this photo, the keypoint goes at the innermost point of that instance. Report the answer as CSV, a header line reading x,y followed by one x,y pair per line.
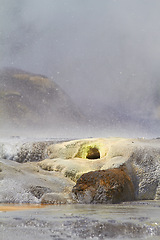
x,y
100,170
140,159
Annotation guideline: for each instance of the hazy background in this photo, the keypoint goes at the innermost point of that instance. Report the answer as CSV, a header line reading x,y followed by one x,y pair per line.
x,y
105,55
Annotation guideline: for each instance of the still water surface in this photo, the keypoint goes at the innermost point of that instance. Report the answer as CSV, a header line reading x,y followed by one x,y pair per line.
x,y
136,220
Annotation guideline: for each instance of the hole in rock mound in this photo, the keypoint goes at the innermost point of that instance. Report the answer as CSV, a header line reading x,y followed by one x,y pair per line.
x,y
93,153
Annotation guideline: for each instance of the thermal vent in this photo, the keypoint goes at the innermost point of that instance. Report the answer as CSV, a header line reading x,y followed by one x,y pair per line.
x,y
93,153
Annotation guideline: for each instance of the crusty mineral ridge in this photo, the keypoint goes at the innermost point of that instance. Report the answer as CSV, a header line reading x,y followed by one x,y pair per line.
x,y
140,157
104,186
105,169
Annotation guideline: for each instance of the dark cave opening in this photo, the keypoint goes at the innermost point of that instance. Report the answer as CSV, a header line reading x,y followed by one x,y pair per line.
x,y
93,153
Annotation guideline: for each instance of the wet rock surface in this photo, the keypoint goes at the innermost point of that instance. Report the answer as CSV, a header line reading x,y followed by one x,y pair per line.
x,y
26,150
32,152
27,183
104,186
54,198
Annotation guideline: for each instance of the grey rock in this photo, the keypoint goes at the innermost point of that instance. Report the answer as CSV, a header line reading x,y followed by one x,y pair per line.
x,y
39,191
27,182
53,198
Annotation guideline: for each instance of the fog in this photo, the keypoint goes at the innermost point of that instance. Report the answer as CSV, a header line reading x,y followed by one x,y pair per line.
x,y
104,54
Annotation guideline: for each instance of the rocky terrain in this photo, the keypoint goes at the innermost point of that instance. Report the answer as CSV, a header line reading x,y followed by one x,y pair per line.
x,y
95,170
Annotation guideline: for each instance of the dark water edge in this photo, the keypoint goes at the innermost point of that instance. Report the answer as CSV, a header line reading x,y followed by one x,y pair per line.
x,y
131,220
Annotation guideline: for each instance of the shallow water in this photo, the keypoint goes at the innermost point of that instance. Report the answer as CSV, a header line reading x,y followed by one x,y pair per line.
x,y
136,220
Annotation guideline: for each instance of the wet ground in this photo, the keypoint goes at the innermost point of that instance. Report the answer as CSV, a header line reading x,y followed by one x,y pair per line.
x,y
135,220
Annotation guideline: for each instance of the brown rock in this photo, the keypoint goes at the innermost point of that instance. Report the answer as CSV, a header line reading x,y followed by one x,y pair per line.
x,y
104,186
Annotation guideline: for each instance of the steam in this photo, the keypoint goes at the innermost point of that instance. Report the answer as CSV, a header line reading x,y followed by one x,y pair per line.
x,y
104,54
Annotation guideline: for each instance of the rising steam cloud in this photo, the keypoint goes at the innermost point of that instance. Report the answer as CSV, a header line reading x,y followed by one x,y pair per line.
x,y
104,54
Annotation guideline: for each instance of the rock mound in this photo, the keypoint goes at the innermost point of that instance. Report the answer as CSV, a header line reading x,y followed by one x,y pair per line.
x,y
73,158
31,100
104,186
117,170
140,157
